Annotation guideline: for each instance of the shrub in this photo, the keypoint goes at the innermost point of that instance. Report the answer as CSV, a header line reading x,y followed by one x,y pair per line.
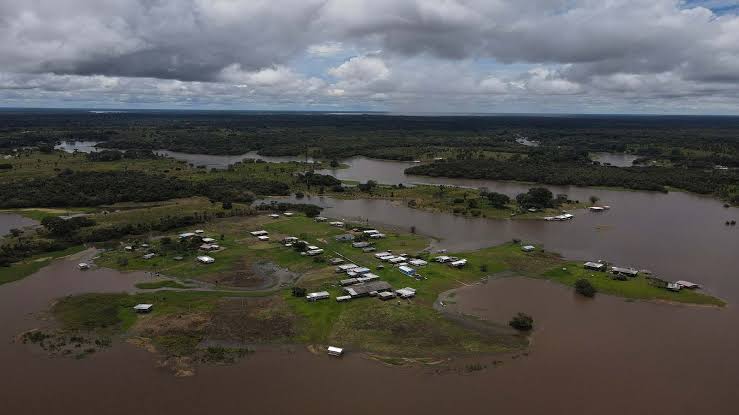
x,y
585,288
522,322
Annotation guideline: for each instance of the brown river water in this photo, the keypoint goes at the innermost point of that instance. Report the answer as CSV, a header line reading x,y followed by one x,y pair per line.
x,y
605,356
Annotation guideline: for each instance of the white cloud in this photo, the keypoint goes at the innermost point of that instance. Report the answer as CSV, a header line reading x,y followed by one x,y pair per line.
x,y
450,50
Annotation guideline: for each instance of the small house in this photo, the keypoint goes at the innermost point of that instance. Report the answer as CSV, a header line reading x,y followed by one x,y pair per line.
x,y
314,252
673,286
528,248
274,216
442,259
387,257
385,295
259,233
289,239
208,247
320,219
361,270
406,292
379,255
345,267
204,259
368,277
128,248
335,261
187,235
687,284
407,270
370,232
344,238
458,264
149,256
263,238
199,231
367,288
596,208
337,224
208,240
418,262
335,351
360,244
594,266
343,298
311,247
369,249
320,295
396,260
377,235
83,266
288,214
348,281
628,272
143,308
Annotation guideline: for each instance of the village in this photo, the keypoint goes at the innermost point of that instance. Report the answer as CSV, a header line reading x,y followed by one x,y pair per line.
x,y
349,262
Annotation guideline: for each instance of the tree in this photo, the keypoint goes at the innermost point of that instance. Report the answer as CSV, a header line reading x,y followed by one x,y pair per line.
x,y
522,322
536,197
498,200
227,204
585,288
594,199
299,292
334,163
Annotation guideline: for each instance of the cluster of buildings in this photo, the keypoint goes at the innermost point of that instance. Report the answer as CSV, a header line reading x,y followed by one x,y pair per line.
x,y
208,245
452,261
624,273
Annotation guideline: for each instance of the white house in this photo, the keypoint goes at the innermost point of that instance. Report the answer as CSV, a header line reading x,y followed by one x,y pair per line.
x,y
335,351
418,262
263,238
320,295
459,263
143,308
528,248
204,259
259,233
208,240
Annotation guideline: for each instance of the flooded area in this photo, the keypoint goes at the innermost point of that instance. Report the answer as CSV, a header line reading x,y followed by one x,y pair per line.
x,y
652,358
10,221
222,162
614,159
79,146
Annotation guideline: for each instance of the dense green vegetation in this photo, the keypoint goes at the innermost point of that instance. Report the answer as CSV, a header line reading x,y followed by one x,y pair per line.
x,y
558,168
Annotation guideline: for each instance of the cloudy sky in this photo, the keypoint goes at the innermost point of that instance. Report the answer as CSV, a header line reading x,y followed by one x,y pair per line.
x,y
550,56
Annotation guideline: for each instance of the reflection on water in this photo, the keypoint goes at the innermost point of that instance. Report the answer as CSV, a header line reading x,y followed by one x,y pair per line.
x,y
614,159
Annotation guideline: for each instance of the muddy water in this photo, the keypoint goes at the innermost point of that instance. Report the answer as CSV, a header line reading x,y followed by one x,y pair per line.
x,y
605,356
10,221
222,162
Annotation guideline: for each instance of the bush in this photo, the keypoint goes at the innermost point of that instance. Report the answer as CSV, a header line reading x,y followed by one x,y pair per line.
x,y
585,288
522,322
299,292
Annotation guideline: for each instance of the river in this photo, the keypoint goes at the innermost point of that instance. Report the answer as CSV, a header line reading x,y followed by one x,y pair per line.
x,y
605,356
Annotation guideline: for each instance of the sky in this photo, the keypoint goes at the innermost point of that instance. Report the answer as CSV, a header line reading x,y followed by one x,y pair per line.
x,y
407,56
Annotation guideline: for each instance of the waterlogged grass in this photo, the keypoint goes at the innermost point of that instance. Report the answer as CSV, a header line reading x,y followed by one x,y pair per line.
x,y
28,266
451,199
634,288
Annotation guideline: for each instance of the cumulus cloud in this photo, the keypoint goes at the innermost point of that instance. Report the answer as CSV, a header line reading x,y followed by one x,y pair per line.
x,y
406,50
